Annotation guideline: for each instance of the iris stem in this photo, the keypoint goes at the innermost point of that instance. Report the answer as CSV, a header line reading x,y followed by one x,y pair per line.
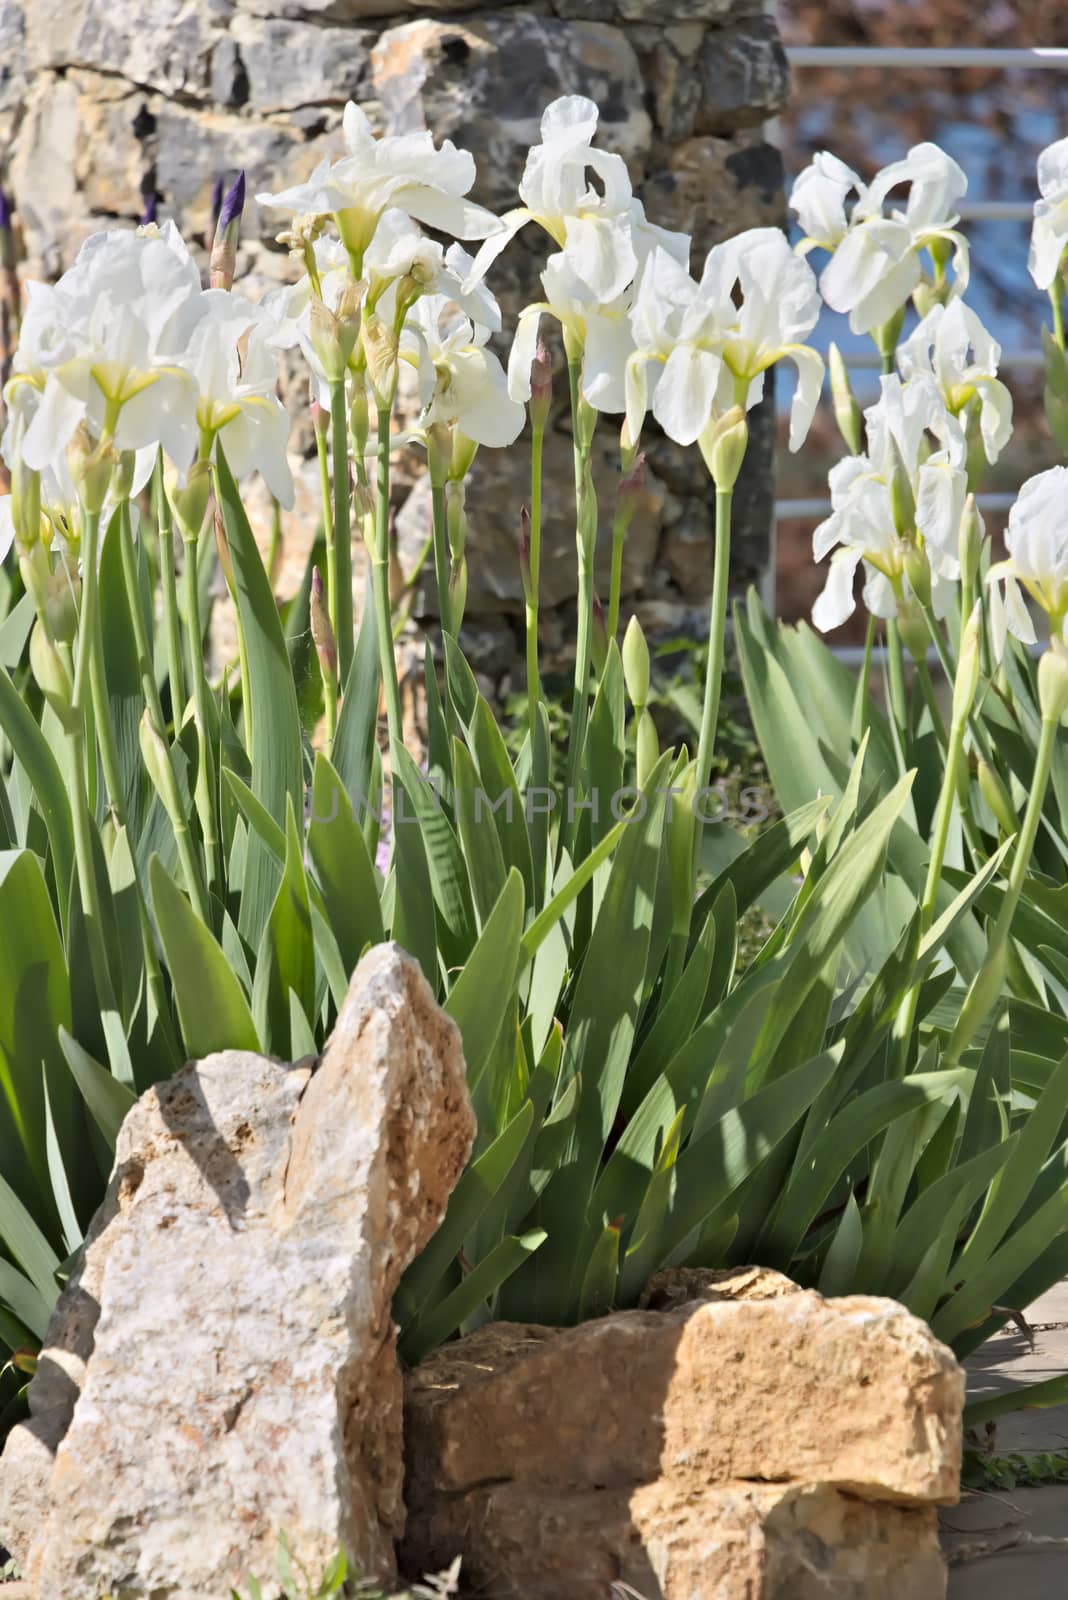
x,y
442,556
986,986
98,689
442,569
205,784
927,688
897,674
862,700
949,667
1058,313
585,538
328,527
906,1019
169,595
615,582
342,562
717,638
274,546
380,583
142,646
532,603
83,823
186,855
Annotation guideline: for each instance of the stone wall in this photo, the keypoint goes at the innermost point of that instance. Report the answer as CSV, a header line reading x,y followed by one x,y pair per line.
x,y
103,102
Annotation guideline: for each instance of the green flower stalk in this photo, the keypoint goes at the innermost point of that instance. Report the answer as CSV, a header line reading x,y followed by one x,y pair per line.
x,y
341,566
91,468
380,584
583,421
456,524
723,445
541,392
987,985
530,601
598,637
191,508
972,534
439,461
168,590
1055,390
964,688
326,652
628,499
88,636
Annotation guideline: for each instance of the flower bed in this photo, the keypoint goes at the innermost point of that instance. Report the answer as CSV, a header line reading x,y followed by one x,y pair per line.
x,y
877,1103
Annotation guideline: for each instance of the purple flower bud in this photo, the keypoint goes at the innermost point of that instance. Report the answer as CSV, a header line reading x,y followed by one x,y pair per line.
x,y
216,201
222,545
322,632
631,492
233,204
541,385
227,230
151,205
633,482
9,296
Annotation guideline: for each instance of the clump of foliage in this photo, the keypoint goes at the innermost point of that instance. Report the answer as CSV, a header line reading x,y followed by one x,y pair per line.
x,y
293,1582
871,1095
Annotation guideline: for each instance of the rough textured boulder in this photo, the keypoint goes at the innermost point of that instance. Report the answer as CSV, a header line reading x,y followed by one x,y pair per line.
x,y
746,1440
222,1365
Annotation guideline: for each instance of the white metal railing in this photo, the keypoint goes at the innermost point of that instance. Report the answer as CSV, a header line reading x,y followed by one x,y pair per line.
x,y
819,505
996,210
871,360
924,56
921,58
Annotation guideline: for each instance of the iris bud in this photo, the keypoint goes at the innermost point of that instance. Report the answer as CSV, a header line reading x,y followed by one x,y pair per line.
x,y
541,385
846,411
648,752
636,664
1053,682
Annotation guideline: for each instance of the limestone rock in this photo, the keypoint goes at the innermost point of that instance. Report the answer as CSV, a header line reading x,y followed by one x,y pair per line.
x,y
745,78
486,81
166,44
736,1541
721,1389
286,64
42,171
713,187
360,10
14,64
221,1366
195,148
750,1440
659,12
